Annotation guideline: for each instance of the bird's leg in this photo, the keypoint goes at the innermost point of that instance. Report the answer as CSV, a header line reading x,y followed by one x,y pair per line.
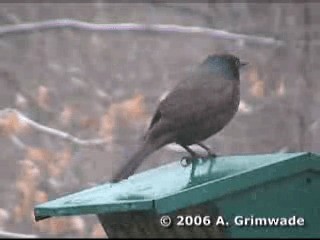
x,y
185,161
210,153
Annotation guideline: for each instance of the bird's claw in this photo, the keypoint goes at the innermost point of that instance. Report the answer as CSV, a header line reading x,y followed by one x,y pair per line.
x,y
185,161
211,155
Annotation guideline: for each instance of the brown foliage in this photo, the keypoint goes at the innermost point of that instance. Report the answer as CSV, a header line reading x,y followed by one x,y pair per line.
x,y
125,112
26,187
43,97
11,125
97,231
257,88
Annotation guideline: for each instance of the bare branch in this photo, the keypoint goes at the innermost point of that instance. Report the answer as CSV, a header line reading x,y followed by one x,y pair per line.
x,y
51,131
75,24
16,141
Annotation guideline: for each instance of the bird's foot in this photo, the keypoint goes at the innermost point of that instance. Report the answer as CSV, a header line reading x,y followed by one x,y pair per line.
x,y
187,160
212,155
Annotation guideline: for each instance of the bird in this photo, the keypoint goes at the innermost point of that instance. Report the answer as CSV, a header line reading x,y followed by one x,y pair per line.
x,y
200,105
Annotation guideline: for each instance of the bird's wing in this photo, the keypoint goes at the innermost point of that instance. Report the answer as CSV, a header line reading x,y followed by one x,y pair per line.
x,y
195,98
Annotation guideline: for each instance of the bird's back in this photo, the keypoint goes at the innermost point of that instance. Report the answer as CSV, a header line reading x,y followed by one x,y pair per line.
x,y
199,106
202,101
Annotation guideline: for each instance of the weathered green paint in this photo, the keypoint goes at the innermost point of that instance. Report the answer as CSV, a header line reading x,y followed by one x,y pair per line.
x,y
297,195
235,174
263,185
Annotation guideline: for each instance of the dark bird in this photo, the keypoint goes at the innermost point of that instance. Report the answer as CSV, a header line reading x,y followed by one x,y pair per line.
x,y
199,106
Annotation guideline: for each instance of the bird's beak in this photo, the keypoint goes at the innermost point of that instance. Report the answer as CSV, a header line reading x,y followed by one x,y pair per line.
x,y
242,64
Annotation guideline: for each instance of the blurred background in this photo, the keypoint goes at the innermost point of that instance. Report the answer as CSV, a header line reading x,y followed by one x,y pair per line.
x,y
106,84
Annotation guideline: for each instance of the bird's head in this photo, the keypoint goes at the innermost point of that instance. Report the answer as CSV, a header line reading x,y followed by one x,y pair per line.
x,y
226,64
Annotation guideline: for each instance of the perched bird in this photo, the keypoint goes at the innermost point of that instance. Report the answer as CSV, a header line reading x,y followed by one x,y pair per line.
x,y
199,106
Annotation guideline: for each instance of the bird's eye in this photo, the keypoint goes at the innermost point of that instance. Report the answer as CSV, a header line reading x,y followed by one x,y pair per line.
x,y
238,62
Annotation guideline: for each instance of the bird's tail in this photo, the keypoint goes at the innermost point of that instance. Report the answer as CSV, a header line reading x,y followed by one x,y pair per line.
x,y
135,161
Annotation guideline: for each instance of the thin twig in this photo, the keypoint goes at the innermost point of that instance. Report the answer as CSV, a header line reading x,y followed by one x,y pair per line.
x,y
17,141
70,23
51,131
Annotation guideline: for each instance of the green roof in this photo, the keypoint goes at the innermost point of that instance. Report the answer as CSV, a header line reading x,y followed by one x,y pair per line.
x,y
171,187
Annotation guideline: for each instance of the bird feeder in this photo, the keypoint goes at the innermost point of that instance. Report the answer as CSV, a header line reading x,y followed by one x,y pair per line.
x,y
267,195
